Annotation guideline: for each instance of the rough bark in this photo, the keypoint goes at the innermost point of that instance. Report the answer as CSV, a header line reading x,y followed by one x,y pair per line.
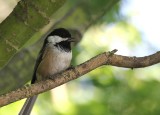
x,y
106,58
27,18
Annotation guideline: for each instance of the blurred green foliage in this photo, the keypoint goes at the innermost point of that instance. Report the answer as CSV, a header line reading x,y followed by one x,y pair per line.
x,y
105,91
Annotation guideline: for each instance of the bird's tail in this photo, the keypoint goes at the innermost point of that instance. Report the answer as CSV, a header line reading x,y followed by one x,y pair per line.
x,y
28,105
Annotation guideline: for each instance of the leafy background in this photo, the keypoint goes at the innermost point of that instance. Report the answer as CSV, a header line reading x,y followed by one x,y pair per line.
x,y
105,91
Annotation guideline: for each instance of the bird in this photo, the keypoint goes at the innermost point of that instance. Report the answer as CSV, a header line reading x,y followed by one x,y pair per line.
x,y
55,56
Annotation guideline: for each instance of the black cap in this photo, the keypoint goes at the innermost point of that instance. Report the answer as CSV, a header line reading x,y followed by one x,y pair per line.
x,y
62,32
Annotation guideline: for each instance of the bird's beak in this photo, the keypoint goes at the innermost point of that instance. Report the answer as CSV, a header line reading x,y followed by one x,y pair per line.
x,y
71,39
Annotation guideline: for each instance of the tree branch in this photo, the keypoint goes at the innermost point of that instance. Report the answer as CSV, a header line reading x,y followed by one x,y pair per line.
x,y
106,58
27,18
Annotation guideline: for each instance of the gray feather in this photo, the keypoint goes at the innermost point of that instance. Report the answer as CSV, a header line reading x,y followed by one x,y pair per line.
x,y
27,107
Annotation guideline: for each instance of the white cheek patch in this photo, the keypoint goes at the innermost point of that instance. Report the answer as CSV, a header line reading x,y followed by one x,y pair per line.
x,y
55,39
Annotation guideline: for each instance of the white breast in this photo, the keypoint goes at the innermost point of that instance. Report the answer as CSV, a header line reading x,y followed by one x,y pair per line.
x,y
63,59
53,61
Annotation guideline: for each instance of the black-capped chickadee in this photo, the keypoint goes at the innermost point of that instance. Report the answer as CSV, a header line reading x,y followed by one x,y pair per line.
x,y
54,57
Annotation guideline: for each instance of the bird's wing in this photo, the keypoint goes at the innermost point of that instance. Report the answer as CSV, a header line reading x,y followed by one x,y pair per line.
x,y
38,61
